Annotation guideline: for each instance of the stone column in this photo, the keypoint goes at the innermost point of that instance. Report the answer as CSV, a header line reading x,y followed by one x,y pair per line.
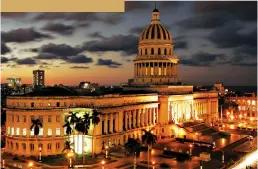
x,y
139,115
130,119
141,119
120,115
135,70
105,123
145,116
111,123
117,119
126,122
149,69
140,67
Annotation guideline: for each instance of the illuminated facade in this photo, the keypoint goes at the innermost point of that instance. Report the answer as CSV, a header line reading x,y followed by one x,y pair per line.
x,y
14,82
38,78
124,115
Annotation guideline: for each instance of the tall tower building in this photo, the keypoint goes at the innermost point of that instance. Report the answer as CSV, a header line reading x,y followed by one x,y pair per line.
x,y
38,78
155,63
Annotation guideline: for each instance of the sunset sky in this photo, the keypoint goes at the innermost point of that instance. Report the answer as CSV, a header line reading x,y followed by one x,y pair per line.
x,y
214,41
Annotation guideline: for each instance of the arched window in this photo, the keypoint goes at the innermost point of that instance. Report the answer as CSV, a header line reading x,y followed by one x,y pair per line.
x,y
165,51
159,51
146,52
152,51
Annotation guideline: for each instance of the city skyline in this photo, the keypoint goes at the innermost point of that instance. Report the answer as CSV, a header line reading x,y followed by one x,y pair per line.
x,y
100,47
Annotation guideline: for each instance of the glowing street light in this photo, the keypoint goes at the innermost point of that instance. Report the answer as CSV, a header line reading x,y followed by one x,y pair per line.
x,y
153,164
106,151
70,155
103,164
30,165
191,149
40,154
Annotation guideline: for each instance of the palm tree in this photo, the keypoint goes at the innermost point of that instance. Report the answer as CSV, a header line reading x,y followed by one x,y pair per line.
x,y
68,146
73,120
95,121
36,125
69,129
149,139
133,146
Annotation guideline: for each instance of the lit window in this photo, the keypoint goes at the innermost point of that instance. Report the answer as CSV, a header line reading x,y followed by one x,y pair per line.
x,y
24,132
49,132
32,132
165,71
159,70
248,102
253,102
239,107
146,71
12,130
41,131
17,131
58,131
49,104
8,131
243,108
152,71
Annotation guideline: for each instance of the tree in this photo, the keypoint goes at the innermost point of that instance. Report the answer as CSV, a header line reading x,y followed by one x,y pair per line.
x,y
68,146
36,125
95,121
73,120
149,139
133,146
69,129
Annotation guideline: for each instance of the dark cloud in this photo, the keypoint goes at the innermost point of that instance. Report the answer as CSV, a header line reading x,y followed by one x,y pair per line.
x,y
136,5
83,24
245,64
202,59
26,61
123,43
108,18
229,36
23,35
246,11
13,14
79,59
209,20
47,56
137,30
62,50
4,49
79,67
108,63
180,42
59,28
96,35
6,60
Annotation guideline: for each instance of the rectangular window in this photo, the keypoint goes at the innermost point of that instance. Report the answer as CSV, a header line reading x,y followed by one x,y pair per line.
x,y
8,130
165,71
18,119
41,132
32,104
64,104
159,70
23,146
41,119
57,146
32,118
57,104
65,130
32,132
103,127
146,71
17,131
12,131
152,71
49,146
57,118
114,125
49,119
108,126
24,132
58,132
49,132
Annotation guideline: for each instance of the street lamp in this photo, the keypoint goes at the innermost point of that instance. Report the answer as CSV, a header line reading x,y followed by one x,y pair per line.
x,y
135,161
3,163
40,154
70,155
30,165
222,157
153,164
103,164
191,149
106,151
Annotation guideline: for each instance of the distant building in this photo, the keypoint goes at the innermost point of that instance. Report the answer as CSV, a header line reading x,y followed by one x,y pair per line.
x,y
14,82
38,78
218,86
88,85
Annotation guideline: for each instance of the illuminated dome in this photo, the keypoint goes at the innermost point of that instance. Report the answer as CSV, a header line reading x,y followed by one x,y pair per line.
x,y
155,31
155,63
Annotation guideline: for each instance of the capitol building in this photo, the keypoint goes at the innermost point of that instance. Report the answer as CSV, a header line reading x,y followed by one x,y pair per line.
x,y
154,98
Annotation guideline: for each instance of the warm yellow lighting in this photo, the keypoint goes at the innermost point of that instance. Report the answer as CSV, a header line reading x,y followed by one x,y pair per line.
x,y
232,117
240,116
152,151
153,162
106,147
228,113
39,148
102,162
191,145
30,164
251,118
223,126
70,154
